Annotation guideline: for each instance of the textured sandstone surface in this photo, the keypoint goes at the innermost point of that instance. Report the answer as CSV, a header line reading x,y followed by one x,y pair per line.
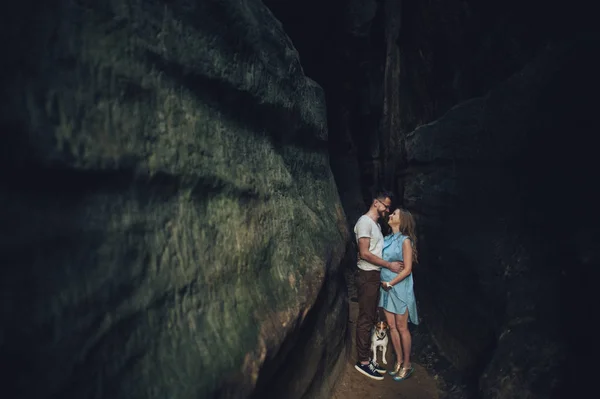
x,y
170,225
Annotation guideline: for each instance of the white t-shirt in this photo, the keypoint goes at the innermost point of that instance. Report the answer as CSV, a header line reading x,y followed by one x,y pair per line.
x,y
366,227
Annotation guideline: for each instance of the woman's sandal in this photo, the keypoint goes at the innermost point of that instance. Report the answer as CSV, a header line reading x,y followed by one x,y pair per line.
x,y
396,369
404,373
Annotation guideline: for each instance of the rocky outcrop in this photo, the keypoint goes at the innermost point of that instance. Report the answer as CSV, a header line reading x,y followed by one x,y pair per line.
x,y
170,224
454,50
500,185
342,47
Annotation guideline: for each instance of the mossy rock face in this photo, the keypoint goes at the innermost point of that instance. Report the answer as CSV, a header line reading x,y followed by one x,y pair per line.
x,y
170,224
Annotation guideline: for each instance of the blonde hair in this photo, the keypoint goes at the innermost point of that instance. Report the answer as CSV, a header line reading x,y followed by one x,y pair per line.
x,y
407,228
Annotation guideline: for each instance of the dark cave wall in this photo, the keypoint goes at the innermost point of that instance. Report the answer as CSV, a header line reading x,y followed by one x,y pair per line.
x,y
507,220
170,224
455,50
490,176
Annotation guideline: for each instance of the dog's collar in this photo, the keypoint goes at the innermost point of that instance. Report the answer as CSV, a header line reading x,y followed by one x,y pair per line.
x,y
380,339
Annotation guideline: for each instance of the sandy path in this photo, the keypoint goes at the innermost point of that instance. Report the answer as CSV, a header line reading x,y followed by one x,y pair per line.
x,y
353,385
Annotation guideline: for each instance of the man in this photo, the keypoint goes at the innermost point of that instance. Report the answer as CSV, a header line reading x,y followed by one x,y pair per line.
x,y
370,250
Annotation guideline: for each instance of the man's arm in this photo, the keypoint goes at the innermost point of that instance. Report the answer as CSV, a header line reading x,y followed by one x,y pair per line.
x,y
364,253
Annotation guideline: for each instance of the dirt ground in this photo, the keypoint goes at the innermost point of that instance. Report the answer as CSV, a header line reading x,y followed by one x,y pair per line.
x,y
354,385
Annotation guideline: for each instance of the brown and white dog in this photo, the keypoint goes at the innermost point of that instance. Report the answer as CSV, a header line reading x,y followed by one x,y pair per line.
x,y
379,339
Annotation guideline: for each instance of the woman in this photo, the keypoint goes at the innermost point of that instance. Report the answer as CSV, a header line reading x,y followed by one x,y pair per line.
x,y
397,297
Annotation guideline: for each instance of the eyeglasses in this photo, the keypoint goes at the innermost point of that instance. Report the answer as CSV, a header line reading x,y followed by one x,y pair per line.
x,y
386,206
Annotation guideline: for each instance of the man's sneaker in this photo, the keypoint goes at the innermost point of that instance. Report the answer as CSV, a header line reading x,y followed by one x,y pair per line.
x,y
368,370
377,367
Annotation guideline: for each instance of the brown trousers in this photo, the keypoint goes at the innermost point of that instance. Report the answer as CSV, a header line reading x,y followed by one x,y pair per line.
x,y
368,297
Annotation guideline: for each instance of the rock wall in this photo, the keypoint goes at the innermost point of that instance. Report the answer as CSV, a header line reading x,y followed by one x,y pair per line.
x,y
454,50
342,47
170,224
507,218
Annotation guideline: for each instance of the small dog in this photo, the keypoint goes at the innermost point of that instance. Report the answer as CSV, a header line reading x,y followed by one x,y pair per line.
x,y
379,339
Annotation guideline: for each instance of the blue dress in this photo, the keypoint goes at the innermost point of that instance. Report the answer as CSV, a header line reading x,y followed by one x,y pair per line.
x,y
401,297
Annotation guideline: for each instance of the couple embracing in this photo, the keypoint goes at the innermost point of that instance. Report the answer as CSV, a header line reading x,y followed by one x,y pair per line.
x,y
385,280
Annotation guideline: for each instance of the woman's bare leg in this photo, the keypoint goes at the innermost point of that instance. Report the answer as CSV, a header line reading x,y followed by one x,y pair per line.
x,y
405,338
391,321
